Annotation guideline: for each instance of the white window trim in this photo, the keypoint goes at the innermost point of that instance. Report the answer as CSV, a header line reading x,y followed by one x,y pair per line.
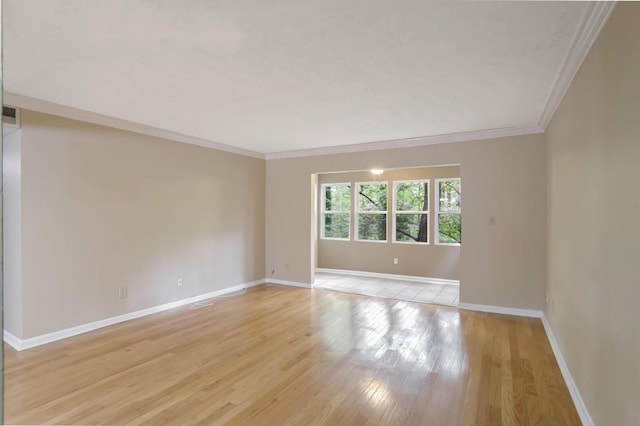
x,y
437,212
323,211
357,212
393,216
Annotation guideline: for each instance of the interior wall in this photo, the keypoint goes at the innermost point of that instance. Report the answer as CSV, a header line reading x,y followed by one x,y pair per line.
x,y
424,260
593,227
2,326
104,209
12,226
502,259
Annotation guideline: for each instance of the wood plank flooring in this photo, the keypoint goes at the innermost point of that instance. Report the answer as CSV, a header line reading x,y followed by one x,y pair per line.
x,y
279,355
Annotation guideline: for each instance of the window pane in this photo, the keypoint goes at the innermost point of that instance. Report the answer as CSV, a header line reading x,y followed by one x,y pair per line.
x,y
372,197
449,228
449,196
412,227
372,227
337,198
412,196
336,225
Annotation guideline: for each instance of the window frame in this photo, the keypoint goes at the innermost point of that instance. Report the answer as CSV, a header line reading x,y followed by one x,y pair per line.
x,y
324,211
357,212
438,212
427,212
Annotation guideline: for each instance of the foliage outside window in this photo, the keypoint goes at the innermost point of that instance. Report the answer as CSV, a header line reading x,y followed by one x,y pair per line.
x,y
449,208
371,208
411,211
336,211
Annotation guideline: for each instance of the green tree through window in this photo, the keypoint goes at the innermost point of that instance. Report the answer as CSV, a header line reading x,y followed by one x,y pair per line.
x,y
449,224
412,211
336,211
372,211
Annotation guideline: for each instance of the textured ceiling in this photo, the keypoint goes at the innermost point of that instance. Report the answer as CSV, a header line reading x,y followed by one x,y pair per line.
x,y
274,75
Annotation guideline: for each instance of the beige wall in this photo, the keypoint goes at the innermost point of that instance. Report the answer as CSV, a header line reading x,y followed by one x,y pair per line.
x,y
12,226
104,209
434,261
593,145
501,264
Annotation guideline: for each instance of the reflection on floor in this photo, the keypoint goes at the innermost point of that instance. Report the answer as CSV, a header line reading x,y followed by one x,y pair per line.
x,y
289,356
441,294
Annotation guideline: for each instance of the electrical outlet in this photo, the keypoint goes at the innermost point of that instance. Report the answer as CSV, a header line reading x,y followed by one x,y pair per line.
x,y
179,281
123,292
395,260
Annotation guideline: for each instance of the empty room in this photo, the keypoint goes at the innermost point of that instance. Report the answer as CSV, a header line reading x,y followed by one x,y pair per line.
x,y
320,212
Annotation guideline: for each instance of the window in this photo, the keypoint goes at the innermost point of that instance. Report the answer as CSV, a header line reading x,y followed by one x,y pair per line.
x,y
371,211
449,208
411,215
336,211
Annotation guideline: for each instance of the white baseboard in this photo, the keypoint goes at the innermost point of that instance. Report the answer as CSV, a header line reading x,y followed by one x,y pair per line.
x,y
566,374
501,310
21,344
390,276
289,283
253,283
12,341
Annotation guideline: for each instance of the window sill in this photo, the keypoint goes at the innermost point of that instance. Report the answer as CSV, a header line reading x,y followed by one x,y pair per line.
x,y
413,243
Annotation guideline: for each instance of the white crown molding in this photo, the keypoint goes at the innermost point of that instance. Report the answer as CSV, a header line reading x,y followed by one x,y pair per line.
x,y
409,142
52,108
32,342
566,374
411,278
593,20
531,313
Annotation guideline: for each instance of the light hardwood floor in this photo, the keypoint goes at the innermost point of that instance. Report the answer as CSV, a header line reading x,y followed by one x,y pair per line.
x,y
280,355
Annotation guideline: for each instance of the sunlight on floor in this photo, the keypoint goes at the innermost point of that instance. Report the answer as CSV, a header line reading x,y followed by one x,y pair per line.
x,y
440,294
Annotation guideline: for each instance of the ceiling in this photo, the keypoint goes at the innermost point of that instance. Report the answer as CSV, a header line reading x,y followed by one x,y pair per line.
x,y
274,75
